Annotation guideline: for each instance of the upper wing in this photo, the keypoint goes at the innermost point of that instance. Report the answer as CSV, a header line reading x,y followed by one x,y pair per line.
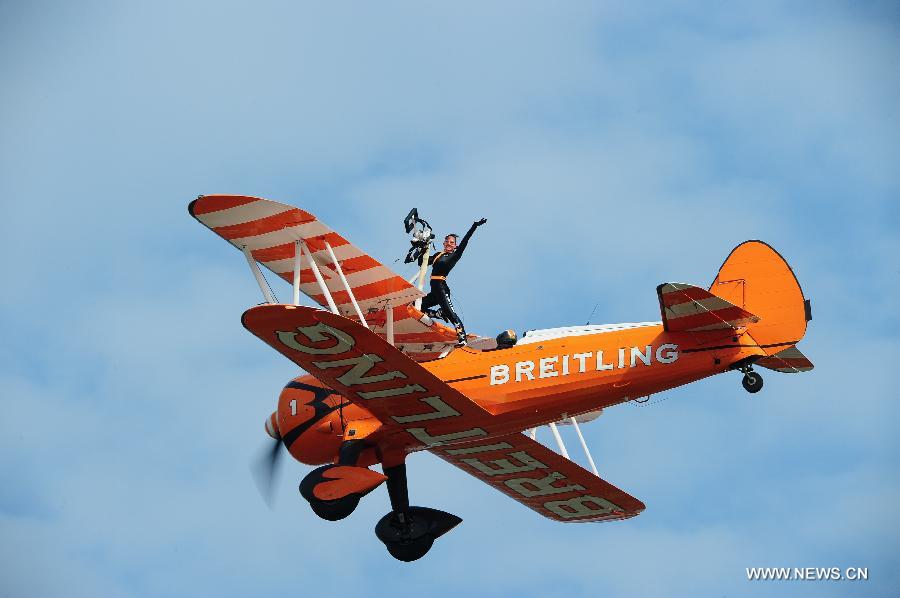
x,y
686,308
405,397
541,479
269,230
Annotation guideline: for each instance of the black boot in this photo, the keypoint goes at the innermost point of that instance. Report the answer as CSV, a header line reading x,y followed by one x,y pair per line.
x,y
460,333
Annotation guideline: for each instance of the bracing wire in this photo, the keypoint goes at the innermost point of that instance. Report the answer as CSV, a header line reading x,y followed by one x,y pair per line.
x,y
271,290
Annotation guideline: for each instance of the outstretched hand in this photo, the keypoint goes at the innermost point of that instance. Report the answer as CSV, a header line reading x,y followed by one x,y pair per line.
x,y
480,222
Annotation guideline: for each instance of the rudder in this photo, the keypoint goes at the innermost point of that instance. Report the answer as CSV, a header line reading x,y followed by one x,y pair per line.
x,y
757,278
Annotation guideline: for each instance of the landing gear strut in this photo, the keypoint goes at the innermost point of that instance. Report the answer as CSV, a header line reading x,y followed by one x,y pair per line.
x,y
752,381
408,532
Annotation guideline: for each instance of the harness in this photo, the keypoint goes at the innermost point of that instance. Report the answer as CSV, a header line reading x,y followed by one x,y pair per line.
x,y
434,261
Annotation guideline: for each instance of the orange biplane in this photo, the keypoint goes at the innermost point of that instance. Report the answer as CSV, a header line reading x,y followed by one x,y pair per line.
x,y
386,380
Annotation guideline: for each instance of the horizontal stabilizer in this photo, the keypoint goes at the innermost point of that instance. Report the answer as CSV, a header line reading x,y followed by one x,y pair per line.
x,y
789,361
541,479
686,308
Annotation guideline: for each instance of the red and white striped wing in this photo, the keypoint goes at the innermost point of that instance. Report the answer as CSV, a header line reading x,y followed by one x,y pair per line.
x,y
686,308
269,230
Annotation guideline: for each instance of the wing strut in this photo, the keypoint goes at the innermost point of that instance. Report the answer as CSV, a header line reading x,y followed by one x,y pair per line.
x,y
584,446
532,433
559,442
260,279
389,322
347,287
297,267
319,279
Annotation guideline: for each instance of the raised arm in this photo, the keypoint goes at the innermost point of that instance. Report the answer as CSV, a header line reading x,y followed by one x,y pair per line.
x,y
454,257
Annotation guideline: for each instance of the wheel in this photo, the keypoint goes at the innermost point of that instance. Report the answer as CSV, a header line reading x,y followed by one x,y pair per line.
x,y
409,535
752,382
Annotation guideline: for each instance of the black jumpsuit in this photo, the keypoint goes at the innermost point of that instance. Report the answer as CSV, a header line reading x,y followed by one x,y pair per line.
x,y
441,263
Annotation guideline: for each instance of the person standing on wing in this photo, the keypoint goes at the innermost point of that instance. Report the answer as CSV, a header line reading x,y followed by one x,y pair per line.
x,y
441,263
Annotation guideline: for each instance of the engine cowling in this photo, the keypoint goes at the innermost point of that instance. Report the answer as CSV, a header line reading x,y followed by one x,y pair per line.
x,y
310,420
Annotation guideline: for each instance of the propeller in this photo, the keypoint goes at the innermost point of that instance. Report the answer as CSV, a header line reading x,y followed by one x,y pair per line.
x,y
265,471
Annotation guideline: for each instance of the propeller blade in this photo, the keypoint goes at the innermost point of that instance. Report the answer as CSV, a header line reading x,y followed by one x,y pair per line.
x,y
265,471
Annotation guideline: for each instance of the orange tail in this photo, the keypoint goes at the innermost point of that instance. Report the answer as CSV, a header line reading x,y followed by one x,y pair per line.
x,y
756,278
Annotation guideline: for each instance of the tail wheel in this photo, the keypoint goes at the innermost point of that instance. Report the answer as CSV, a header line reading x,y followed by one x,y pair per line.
x,y
752,382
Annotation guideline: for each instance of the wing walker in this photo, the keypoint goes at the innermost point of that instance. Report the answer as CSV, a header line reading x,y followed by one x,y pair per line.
x,y
386,378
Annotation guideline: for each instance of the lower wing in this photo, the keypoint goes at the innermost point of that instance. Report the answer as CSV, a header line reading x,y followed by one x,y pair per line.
x,y
541,479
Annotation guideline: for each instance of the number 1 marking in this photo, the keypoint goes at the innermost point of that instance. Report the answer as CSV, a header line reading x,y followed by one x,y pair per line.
x,y
293,406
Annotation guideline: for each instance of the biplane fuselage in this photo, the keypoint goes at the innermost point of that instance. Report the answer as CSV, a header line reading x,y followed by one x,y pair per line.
x,y
546,378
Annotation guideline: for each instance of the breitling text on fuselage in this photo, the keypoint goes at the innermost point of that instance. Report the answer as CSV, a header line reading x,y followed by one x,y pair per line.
x,y
552,366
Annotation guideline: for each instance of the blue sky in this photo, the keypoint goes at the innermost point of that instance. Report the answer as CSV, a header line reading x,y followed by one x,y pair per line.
x,y
611,148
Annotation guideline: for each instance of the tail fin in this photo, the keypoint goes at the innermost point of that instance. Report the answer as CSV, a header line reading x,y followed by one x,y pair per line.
x,y
756,278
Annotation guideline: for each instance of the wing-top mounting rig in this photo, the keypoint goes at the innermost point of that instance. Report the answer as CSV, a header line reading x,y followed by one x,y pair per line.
x,y
422,236
385,380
